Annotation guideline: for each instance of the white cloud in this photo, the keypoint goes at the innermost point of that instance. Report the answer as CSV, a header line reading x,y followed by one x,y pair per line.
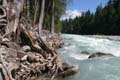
x,y
71,14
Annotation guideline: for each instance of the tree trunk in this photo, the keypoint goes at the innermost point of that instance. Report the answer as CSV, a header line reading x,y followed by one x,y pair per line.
x,y
53,25
4,3
28,8
19,6
36,10
41,16
13,13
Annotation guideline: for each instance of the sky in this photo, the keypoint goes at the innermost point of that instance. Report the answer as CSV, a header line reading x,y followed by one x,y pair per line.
x,y
78,6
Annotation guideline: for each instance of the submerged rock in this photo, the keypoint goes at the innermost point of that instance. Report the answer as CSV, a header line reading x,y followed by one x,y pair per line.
x,y
100,54
85,53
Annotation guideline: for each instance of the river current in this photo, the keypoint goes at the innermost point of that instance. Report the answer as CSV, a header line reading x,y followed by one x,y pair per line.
x,y
91,69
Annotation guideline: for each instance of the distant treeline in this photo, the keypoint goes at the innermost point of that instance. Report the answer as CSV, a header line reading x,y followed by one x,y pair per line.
x,y
105,21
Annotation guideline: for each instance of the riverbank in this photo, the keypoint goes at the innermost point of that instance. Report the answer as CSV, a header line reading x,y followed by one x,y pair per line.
x,y
116,38
27,54
32,60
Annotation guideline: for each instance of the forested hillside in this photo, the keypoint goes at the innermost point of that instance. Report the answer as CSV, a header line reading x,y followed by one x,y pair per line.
x,y
105,21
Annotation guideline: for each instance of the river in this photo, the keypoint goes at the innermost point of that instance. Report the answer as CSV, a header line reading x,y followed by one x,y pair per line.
x,y
91,69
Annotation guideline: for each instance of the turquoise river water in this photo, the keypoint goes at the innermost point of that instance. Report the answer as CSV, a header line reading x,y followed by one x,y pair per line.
x,y
91,69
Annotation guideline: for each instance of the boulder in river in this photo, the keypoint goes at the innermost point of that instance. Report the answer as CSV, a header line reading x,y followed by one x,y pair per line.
x,y
100,54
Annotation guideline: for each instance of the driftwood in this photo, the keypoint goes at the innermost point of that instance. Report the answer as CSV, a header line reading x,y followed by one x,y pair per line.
x,y
68,70
44,46
7,72
29,54
3,13
49,49
30,37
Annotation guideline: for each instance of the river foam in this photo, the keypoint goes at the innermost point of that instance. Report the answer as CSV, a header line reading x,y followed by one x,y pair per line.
x,y
92,44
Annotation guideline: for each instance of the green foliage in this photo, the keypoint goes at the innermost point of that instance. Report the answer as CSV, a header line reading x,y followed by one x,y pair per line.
x,y
58,27
104,21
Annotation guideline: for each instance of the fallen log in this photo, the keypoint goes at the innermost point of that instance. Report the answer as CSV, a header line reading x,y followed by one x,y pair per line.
x,y
28,35
67,71
43,45
49,49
